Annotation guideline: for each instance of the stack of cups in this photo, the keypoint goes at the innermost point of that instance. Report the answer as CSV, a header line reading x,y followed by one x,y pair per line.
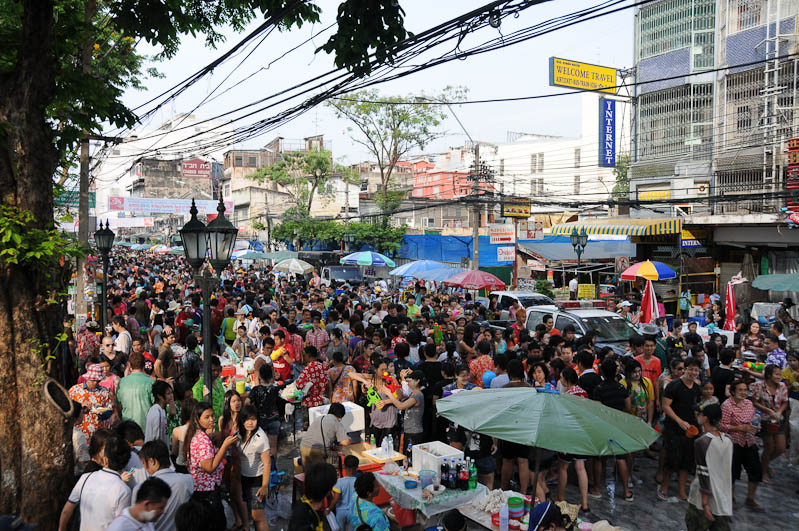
x,y
515,508
528,501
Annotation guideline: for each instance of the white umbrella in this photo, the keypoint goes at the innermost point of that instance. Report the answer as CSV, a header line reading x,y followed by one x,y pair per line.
x,y
293,265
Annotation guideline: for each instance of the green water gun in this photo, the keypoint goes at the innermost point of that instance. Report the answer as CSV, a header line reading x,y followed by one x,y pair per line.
x,y
374,398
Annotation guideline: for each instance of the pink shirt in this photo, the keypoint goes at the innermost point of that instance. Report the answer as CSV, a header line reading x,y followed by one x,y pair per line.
x,y
733,414
201,449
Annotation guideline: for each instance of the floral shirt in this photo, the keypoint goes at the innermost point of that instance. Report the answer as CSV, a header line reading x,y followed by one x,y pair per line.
x,y
342,390
100,397
88,344
733,414
201,449
576,390
777,357
479,366
747,342
761,393
316,375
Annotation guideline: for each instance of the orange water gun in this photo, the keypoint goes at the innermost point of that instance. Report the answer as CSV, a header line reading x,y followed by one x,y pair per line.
x,y
391,383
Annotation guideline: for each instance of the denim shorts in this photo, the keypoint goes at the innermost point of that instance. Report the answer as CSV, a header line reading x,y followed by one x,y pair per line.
x,y
250,496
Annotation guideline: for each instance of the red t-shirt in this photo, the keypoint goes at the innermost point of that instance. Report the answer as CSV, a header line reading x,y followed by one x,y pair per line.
x,y
651,370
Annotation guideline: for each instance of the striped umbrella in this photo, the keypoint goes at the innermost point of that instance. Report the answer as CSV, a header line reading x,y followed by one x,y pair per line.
x,y
649,304
649,270
367,258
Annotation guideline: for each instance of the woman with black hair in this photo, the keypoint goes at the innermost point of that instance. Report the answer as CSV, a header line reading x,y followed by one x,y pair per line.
x,y
414,409
231,477
364,514
256,464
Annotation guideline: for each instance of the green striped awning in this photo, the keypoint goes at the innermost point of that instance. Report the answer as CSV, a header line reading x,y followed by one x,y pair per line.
x,y
625,226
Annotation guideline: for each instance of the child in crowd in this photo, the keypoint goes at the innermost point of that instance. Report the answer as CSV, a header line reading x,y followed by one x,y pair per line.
x,y
343,490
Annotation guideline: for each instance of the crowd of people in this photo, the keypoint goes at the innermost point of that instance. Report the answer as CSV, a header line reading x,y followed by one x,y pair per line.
x,y
153,452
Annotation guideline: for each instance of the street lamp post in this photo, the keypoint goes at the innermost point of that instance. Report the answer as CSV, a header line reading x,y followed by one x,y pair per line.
x,y
579,240
214,242
104,238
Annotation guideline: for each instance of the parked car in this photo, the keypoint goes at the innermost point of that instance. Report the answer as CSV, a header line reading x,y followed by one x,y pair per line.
x,y
526,298
339,273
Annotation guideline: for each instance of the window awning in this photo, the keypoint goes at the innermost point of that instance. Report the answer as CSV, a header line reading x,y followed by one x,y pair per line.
x,y
626,226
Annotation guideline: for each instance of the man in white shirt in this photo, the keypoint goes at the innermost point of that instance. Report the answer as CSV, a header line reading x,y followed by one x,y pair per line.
x,y
151,499
123,341
156,426
102,495
155,456
573,286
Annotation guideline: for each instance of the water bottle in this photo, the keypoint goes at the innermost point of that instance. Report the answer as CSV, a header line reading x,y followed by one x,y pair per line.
x,y
384,447
409,456
372,442
756,419
503,517
390,445
472,476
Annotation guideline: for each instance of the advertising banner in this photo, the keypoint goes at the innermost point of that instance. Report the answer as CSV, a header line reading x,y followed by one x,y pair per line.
x,y
501,233
506,254
516,209
607,133
581,76
153,205
195,168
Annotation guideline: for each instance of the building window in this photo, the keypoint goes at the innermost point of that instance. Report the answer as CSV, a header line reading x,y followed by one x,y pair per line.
x,y
576,185
540,186
226,190
435,189
744,117
669,25
502,166
748,13
540,163
533,163
238,161
253,162
576,157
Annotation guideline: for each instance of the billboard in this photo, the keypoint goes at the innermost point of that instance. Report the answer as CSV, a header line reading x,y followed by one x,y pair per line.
x,y
195,168
607,133
581,76
501,233
153,205
516,209
506,254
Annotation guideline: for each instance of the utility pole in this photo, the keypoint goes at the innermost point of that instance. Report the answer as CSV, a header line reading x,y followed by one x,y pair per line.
x,y
476,176
81,306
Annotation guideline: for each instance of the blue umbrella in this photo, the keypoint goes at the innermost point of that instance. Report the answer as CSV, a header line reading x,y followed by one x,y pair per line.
x,y
367,258
441,274
412,268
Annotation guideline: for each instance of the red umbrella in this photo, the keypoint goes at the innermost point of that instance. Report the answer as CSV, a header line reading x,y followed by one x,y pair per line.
x,y
475,279
729,309
649,304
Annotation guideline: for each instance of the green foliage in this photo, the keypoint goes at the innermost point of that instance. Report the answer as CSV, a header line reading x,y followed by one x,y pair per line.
x,y
301,174
390,130
622,188
382,237
22,243
543,287
365,26
304,229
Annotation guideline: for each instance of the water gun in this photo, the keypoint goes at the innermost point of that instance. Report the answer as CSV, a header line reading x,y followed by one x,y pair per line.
x,y
374,398
752,366
391,383
438,334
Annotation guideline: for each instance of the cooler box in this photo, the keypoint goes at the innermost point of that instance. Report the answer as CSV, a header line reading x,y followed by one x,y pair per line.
x,y
428,456
353,418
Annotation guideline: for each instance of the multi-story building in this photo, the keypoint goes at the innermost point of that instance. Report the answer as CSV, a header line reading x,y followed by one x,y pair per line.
x,y
260,201
174,179
543,167
715,104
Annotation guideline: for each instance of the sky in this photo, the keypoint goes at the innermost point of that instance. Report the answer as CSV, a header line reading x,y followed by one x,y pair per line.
x,y
519,70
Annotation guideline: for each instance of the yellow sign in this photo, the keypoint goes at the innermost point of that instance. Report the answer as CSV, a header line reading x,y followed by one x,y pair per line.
x,y
516,209
586,291
581,76
654,195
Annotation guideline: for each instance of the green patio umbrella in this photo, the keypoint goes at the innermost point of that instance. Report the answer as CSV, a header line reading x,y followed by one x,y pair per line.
x,y
176,250
279,256
557,422
252,255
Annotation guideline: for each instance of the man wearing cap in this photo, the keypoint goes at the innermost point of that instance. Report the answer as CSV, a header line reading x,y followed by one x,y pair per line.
x,y
96,400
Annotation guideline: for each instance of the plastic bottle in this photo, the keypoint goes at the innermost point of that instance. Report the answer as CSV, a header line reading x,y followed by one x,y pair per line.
x,y
372,442
445,473
756,419
472,476
464,475
453,475
409,456
503,517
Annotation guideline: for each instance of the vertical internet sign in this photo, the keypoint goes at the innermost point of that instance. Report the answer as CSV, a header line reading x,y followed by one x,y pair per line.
x,y
607,133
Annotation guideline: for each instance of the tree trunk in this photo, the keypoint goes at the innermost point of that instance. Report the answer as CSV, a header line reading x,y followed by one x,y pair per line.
x,y
35,439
